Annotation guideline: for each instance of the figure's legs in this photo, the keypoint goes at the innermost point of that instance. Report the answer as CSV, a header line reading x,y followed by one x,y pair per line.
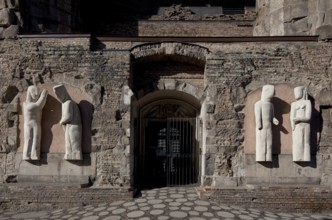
x,y
35,149
297,148
67,144
268,141
76,144
27,140
260,146
306,142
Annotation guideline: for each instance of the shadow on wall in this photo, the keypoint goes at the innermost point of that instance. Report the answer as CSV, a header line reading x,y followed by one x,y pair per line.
x,y
316,126
280,108
87,110
50,117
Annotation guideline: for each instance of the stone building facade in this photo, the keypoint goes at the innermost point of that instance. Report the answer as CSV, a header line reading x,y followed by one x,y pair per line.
x,y
142,95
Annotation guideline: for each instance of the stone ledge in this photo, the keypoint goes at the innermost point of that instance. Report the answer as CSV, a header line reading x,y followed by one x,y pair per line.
x,y
302,198
30,196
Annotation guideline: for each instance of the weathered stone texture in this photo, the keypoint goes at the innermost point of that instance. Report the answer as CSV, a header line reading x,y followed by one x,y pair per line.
x,y
180,28
287,198
112,75
288,18
270,64
56,196
10,19
54,61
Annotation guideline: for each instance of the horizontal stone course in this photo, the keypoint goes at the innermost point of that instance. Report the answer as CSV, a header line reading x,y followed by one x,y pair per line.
x,y
286,198
41,196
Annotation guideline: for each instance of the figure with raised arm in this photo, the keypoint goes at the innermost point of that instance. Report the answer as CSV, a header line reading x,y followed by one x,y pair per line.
x,y
32,113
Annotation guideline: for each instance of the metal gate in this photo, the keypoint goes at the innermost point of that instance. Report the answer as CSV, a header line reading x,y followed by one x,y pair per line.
x,y
170,155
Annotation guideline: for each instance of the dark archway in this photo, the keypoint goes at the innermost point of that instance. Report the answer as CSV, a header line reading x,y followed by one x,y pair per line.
x,y
167,151
167,80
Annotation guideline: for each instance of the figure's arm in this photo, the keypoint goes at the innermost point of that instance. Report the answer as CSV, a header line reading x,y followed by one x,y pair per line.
x,y
258,116
308,111
274,120
67,112
42,99
293,116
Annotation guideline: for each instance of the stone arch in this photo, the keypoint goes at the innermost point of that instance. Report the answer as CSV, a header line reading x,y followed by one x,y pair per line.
x,y
167,120
188,58
192,51
164,77
190,104
172,86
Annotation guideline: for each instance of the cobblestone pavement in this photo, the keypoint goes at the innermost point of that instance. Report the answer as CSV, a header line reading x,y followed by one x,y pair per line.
x,y
161,204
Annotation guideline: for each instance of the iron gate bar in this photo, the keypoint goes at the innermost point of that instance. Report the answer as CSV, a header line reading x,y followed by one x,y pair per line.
x,y
178,163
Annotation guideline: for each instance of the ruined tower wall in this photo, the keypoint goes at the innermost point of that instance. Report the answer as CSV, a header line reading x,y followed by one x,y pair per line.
x,y
286,18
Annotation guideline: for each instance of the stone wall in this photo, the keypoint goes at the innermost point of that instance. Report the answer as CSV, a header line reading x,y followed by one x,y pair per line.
x,y
231,73
302,199
10,18
55,196
54,61
285,18
179,28
231,77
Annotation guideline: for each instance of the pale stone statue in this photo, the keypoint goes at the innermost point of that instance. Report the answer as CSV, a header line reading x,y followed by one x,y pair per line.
x,y
32,112
264,115
72,124
300,121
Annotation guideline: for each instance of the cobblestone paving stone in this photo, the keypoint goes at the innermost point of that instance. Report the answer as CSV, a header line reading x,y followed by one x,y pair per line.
x,y
161,204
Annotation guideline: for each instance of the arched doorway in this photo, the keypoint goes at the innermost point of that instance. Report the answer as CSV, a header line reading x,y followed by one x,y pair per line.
x,y
167,80
167,153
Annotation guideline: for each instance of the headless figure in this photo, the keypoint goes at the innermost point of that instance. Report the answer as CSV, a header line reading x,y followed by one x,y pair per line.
x,y
32,112
264,116
300,121
72,124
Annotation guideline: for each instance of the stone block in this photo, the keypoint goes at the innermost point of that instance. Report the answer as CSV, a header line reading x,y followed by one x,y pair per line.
x,y
325,97
328,18
276,5
1,32
6,17
3,4
324,5
160,85
169,84
221,181
11,31
296,10
55,169
324,32
276,22
12,4
298,27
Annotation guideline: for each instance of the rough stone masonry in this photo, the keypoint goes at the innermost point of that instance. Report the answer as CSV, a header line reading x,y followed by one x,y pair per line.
x,y
115,81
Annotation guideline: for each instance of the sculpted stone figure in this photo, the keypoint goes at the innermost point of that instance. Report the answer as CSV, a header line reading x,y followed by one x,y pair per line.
x,y
32,112
300,121
72,124
264,115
